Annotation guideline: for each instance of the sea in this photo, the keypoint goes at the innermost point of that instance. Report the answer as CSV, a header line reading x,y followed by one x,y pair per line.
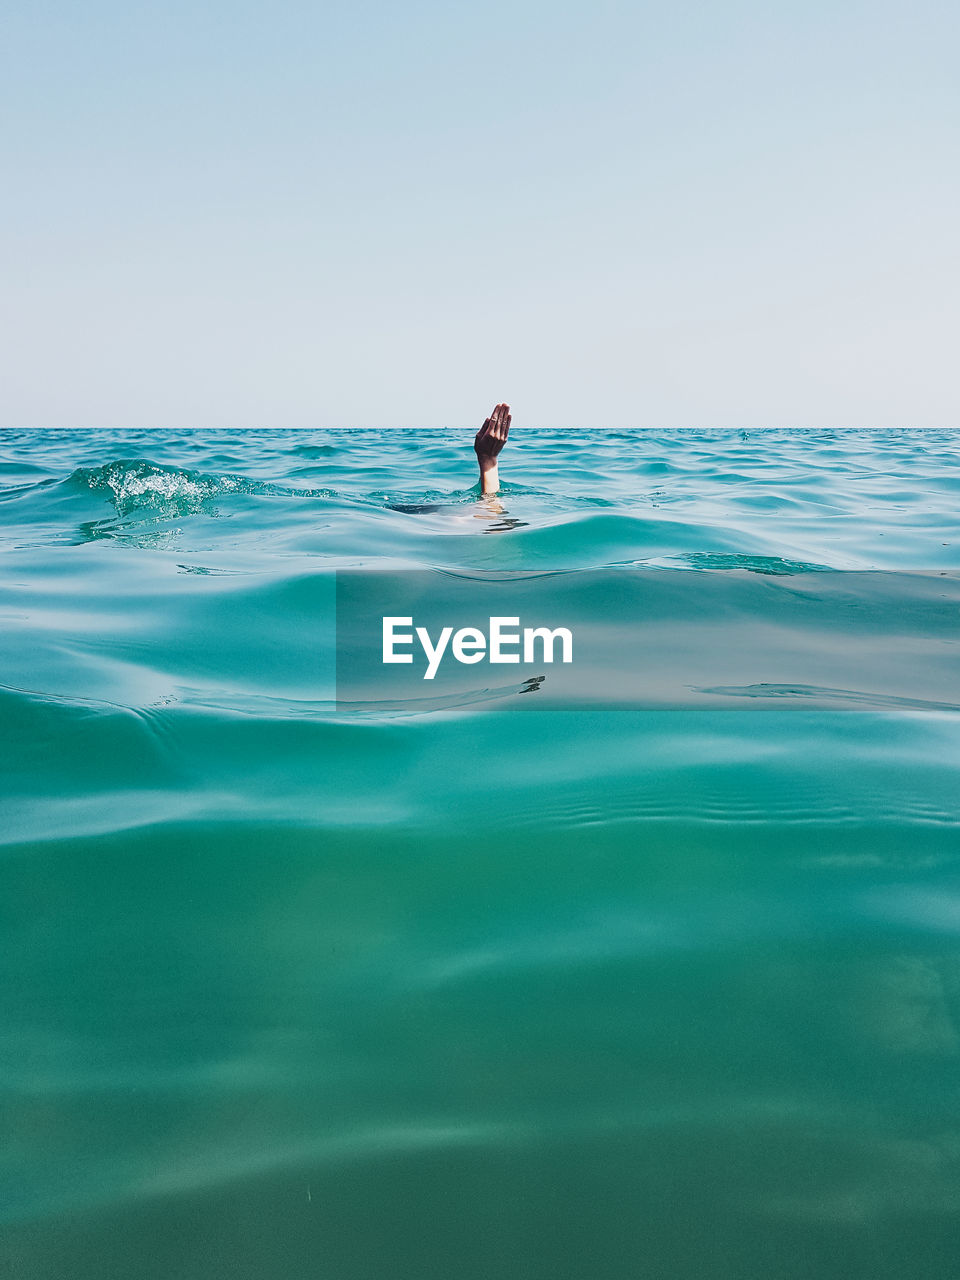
x,y
646,973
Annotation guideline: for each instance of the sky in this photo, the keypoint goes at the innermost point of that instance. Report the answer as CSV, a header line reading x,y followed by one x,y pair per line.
x,y
671,214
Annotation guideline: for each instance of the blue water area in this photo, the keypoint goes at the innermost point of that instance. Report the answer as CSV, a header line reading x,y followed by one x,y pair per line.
x,y
657,978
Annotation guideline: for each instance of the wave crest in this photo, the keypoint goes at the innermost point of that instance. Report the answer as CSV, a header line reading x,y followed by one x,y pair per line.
x,y
137,483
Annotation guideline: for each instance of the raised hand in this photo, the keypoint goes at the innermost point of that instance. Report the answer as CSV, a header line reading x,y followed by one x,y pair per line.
x,y
490,439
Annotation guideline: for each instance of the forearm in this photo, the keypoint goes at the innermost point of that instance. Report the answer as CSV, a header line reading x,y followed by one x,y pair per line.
x,y
489,476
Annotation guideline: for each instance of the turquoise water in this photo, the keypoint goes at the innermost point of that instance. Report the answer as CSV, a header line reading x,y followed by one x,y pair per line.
x,y
484,985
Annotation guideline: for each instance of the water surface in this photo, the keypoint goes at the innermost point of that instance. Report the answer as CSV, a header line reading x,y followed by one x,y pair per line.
x,y
490,986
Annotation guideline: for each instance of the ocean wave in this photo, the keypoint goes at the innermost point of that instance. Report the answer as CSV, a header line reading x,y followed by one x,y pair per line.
x,y
139,484
774,502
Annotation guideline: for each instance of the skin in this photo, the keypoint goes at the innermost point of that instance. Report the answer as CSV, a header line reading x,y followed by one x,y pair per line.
x,y
490,439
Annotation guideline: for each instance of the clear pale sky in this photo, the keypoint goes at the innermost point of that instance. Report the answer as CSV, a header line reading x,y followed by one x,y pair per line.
x,y
372,214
